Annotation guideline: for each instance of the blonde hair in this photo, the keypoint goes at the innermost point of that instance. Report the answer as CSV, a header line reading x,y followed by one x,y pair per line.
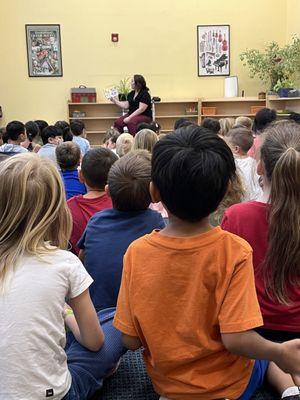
x,y
244,121
145,139
124,144
280,154
226,124
33,211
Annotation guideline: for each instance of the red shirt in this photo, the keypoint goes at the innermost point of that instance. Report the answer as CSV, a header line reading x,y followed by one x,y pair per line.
x,y
82,209
249,221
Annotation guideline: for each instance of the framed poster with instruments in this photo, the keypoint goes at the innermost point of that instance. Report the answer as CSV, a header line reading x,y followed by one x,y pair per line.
x,y
44,50
213,50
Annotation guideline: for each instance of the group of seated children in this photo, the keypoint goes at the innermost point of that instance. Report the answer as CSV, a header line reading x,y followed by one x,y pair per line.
x,y
216,309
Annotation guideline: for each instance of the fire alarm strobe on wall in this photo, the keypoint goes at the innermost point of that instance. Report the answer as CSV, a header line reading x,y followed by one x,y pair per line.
x,y
115,37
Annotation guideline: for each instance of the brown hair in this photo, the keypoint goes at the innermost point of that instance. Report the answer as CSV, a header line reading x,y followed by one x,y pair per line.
x,y
33,211
235,194
128,181
280,154
68,155
140,82
145,139
241,137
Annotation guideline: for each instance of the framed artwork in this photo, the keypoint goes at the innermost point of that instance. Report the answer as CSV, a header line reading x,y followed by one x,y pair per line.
x,y
213,45
44,50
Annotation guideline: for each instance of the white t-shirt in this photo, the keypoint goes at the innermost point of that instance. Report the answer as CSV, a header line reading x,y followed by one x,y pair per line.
x,y
246,168
83,143
32,333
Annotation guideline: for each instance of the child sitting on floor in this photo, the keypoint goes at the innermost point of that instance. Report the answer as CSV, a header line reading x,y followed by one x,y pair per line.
x,y
124,144
240,141
188,294
15,134
37,274
271,226
68,157
78,130
109,232
93,173
110,139
51,137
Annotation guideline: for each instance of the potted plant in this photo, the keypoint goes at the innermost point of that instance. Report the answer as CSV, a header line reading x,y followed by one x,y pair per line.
x,y
124,88
276,66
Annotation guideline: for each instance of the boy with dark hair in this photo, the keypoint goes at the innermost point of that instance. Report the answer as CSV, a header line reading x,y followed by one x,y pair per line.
x,y
68,157
16,134
109,233
51,137
212,124
78,130
240,140
181,122
110,139
93,173
188,294
41,124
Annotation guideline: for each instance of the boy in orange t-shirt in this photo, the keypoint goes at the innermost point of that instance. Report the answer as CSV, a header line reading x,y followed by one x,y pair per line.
x,y
188,295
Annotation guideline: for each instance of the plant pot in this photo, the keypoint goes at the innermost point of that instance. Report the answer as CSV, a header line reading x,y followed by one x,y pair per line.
x,y
122,97
284,92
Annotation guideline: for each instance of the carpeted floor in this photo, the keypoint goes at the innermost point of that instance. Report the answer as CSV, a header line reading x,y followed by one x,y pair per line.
x,y
131,382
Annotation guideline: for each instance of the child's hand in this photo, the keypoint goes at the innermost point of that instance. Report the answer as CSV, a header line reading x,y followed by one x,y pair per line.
x,y
289,359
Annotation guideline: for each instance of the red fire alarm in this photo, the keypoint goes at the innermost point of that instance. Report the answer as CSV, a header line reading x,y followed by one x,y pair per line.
x,y
114,37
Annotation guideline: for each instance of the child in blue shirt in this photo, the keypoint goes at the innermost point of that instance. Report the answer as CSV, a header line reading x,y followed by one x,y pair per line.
x,y
78,131
110,232
68,158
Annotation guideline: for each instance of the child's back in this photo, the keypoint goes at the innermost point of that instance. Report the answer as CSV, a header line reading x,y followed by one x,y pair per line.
x,y
271,227
94,169
109,233
68,158
183,291
78,130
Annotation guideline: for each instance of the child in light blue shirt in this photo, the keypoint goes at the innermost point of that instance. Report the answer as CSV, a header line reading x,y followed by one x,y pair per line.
x,y
78,130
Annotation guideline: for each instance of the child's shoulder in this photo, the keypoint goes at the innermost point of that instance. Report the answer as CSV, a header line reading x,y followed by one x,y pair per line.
x,y
245,209
234,242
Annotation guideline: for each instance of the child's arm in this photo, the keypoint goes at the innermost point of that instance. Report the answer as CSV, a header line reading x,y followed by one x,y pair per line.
x,y
85,324
251,345
131,342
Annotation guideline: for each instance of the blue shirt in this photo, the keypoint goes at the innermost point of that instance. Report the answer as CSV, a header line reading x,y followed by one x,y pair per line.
x,y
105,241
73,186
83,143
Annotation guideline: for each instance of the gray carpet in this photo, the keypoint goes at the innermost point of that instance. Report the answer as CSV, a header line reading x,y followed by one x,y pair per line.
x,y
131,382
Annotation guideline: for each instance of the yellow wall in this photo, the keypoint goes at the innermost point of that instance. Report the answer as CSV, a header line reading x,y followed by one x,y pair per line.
x,y
293,18
157,39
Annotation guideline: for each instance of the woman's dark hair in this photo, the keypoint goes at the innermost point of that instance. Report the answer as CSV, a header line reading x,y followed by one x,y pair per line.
x,y
192,167
32,130
263,118
140,82
65,128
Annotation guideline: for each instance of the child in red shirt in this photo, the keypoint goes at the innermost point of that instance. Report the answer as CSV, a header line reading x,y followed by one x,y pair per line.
x,y
271,226
95,166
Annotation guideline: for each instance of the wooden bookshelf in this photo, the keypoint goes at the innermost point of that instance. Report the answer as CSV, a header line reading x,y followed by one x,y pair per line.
x,y
230,107
100,116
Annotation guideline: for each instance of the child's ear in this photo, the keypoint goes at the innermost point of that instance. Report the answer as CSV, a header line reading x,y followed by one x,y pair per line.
x,y
260,168
51,140
80,175
154,193
107,190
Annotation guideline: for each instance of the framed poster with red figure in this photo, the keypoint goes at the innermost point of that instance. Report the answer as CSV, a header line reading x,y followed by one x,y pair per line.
x,y
213,50
44,50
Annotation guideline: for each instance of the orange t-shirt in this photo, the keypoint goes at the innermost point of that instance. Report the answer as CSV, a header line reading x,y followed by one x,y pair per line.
x,y
177,295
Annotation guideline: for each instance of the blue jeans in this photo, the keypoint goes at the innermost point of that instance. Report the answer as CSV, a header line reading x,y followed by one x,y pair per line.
x,y
88,369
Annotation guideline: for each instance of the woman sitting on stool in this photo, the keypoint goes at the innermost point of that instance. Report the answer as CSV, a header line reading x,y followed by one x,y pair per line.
x,y
138,104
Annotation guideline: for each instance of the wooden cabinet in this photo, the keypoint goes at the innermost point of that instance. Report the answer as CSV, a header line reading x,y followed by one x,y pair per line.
x,y
230,107
168,111
284,105
98,118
